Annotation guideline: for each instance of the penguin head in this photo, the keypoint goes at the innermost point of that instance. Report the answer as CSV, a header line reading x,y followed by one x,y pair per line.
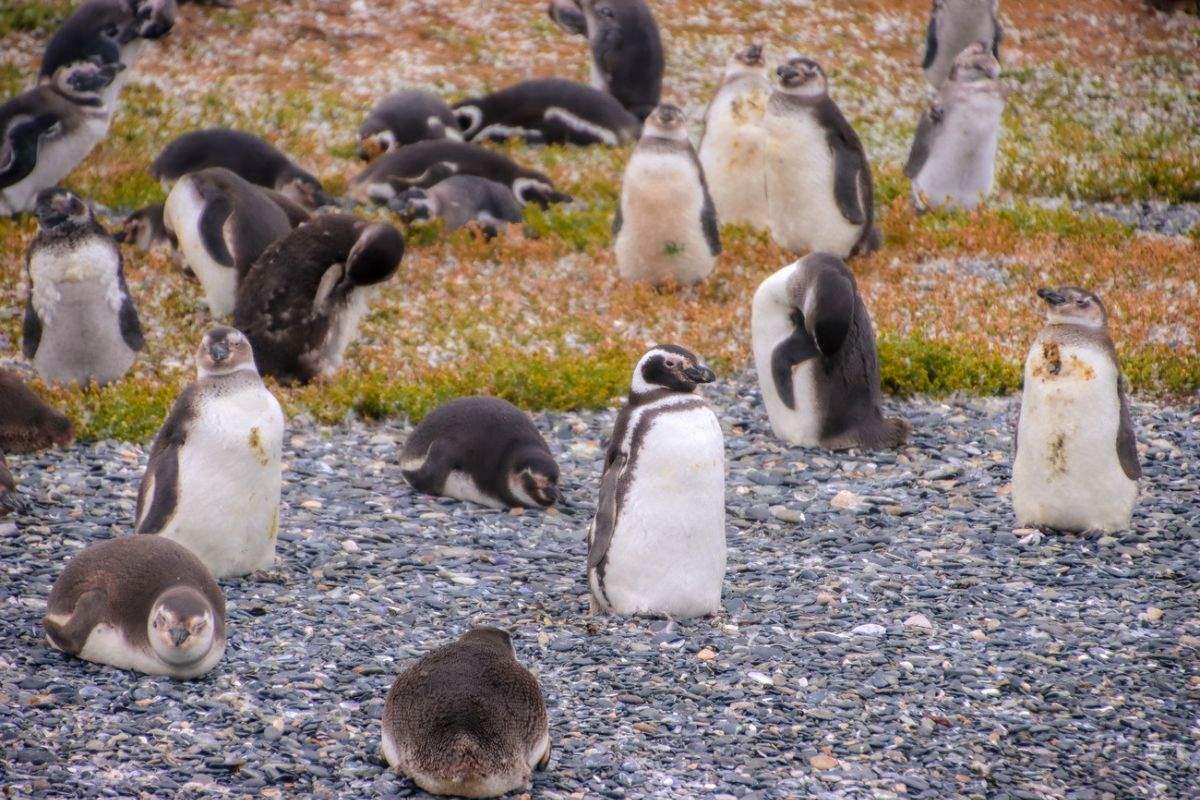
x,y
490,638
376,254
1071,305
533,476
222,351
140,228
666,122
414,204
802,76
182,626
668,366
975,63
153,19
469,118
601,12
60,210
372,142
81,79
750,60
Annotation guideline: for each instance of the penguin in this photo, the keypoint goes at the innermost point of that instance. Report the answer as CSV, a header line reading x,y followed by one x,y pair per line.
x,y
627,52
1175,6
405,117
548,111
214,477
953,158
733,148
483,450
246,155
657,544
27,423
461,199
80,321
467,719
953,26
1076,462
425,164
302,301
141,603
666,226
222,224
814,351
819,191
146,230
46,131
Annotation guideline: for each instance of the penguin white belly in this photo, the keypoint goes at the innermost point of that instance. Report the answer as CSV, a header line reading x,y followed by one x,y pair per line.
x,y
661,236
183,210
343,330
733,154
1067,474
803,210
107,644
667,554
55,159
230,479
461,486
962,162
770,324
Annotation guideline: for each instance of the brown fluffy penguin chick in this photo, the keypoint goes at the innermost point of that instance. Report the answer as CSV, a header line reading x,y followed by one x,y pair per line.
x,y
26,422
467,719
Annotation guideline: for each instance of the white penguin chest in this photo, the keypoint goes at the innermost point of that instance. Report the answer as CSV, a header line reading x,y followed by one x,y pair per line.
x,y
661,235
183,210
734,154
962,158
771,324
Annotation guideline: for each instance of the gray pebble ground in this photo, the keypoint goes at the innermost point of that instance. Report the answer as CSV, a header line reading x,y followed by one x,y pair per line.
x,y
886,632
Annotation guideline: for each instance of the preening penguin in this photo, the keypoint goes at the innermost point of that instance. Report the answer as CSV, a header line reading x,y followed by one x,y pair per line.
x,y
462,199
27,423
548,111
1076,463
467,719
303,299
657,544
484,450
820,196
954,25
953,158
814,350
214,477
666,226
405,117
80,322
141,603
734,146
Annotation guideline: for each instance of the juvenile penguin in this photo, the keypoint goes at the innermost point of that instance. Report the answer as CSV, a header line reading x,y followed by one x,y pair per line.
x,y
214,477
27,423
113,31
425,164
222,224
954,25
46,131
1076,463
141,603
548,111
484,450
734,147
462,199
302,301
814,350
244,154
666,226
657,544
80,321
147,230
953,158
405,117
467,719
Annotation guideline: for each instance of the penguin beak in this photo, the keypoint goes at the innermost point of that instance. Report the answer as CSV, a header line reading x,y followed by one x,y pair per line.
x,y
179,636
551,494
1052,297
219,351
699,374
787,73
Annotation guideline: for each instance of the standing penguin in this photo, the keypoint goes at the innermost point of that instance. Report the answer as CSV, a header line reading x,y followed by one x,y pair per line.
x,y
954,25
140,603
405,117
80,322
1076,463
666,226
222,224
483,450
814,350
657,544
214,477
462,199
733,149
467,719
303,299
27,423
953,158
548,111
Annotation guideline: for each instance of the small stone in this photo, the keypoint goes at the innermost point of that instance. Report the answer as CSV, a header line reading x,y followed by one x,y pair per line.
x,y
707,654
1152,614
350,546
846,500
760,678
870,629
919,621
822,761
786,514
645,727
312,505
825,599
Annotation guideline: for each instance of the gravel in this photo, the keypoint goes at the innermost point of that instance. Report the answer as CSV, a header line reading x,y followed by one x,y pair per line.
x,y
903,641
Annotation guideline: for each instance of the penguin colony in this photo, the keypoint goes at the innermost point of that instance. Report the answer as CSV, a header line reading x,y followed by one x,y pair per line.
x,y
243,218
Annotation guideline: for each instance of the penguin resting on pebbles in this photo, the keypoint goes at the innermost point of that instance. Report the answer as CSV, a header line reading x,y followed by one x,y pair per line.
x,y
27,423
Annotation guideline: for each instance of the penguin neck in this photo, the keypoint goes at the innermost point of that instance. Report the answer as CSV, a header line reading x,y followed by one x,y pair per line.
x,y
246,371
643,394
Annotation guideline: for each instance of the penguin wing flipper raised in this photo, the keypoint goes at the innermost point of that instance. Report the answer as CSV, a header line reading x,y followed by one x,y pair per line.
x,y
849,163
606,512
792,351
919,153
212,229
1126,440
159,491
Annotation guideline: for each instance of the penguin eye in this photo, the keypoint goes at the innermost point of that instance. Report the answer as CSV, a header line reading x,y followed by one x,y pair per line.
x,y
672,363
605,12
1081,302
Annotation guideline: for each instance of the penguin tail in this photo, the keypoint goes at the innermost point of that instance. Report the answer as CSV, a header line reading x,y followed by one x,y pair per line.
x,y
893,432
465,762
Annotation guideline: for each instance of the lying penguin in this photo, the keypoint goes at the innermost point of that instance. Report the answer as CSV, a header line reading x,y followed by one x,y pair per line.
x,y
547,111
462,199
405,117
27,423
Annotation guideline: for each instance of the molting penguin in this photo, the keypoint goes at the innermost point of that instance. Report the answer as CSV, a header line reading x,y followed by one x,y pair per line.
x,y
222,224
819,191
657,544
467,719
548,111
1076,463
46,131
733,149
953,157
213,480
666,226
462,199
27,424
954,25
80,322
484,450
405,117
244,154
141,603
814,349
426,164
302,301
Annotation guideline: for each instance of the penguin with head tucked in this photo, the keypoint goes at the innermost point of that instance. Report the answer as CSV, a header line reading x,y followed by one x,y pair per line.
x,y
405,117
547,111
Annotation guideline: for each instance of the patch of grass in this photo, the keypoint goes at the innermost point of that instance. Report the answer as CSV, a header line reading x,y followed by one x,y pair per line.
x,y
129,410
586,231
32,16
915,365
13,80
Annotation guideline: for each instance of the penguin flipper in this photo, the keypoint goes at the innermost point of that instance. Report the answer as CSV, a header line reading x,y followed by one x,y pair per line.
x,y
20,145
430,477
605,521
931,42
72,635
159,492
131,326
31,331
544,761
567,15
792,351
212,229
708,210
996,37
919,153
618,221
849,164
1126,440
